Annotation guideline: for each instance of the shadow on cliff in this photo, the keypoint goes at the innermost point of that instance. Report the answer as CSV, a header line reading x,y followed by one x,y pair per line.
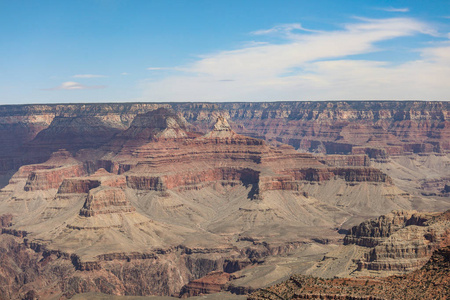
x,y
70,133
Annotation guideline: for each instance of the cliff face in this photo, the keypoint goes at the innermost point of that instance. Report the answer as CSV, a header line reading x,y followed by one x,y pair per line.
x,y
212,283
45,273
375,128
401,240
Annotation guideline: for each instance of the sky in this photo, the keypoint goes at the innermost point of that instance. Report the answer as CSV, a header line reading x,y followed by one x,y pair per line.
x,y
223,50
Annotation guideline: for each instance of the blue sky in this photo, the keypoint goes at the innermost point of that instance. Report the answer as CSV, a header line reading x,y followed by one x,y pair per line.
x,y
217,50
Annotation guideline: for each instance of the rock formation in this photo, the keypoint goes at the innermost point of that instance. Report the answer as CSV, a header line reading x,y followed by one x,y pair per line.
x,y
430,282
209,284
400,241
145,200
30,133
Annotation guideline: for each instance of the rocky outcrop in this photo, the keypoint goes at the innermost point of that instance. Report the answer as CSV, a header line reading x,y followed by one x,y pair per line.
x,y
105,200
400,241
159,124
430,282
211,283
49,173
15,232
372,232
78,186
346,160
348,174
434,186
193,180
6,220
221,129
82,185
51,178
376,153
447,188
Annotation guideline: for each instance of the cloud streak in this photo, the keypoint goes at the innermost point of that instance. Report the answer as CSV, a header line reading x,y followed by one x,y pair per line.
x,y
394,9
313,65
72,85
284,28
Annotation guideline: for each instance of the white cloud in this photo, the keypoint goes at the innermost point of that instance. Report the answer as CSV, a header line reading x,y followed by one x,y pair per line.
x,y
124,73
88,76
284,28
72,85
394,9
313,66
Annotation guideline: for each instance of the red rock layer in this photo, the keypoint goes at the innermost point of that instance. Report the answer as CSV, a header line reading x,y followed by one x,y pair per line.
x,y
211,283
223,155
77,185
51,178
81,185
190,178
30,133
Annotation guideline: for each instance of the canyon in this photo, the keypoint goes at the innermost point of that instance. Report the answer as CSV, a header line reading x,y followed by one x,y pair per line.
x,y
185,199
429,282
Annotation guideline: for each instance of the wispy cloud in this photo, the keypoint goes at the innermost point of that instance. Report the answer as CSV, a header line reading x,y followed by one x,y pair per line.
x,y
124,73
284,28
254,43
395,9
88,76
313,65
71,85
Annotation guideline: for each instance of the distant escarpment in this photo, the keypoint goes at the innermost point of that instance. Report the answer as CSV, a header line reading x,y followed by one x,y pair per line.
x,y
30,133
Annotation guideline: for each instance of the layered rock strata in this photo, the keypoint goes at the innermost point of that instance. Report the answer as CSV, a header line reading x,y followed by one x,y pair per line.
x,y
103,200
30,133
430,282
182,204
212,283
224,155
400,241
